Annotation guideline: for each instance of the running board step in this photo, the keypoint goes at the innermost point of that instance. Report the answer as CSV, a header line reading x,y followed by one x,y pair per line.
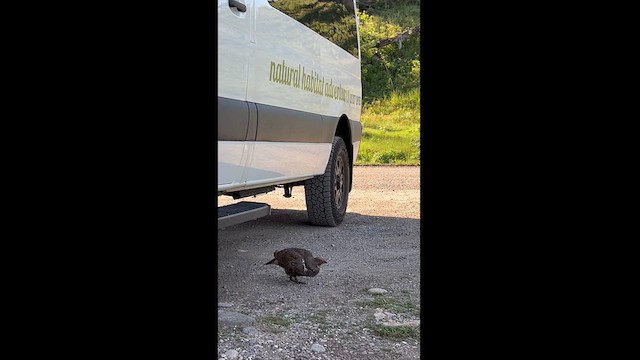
x,y
243,211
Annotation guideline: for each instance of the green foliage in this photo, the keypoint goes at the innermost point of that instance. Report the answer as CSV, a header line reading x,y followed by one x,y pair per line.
x,y
329,18
385,4
394,67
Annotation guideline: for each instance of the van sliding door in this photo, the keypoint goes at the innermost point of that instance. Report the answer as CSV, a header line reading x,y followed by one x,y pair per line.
x,y
290,136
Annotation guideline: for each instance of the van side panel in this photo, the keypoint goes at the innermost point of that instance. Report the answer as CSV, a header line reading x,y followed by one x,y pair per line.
x,y
233,36
293,67
276,161
280,124
233,119
297,85
230,160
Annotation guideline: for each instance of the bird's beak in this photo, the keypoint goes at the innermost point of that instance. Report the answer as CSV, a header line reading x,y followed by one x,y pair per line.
x,y
270,262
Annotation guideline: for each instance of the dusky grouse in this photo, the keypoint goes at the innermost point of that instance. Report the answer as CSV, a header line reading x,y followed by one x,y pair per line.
x,y
297,262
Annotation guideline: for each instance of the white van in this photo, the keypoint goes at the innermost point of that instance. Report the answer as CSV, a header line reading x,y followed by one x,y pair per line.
x,y
289,101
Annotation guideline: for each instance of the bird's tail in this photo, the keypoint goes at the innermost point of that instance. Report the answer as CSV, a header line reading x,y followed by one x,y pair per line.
x,y
271,262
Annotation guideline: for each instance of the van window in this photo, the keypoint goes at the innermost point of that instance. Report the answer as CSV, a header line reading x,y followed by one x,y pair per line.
x,y
333,19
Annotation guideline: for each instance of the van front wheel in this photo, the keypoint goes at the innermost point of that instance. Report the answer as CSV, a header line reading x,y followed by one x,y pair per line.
x,y
327,194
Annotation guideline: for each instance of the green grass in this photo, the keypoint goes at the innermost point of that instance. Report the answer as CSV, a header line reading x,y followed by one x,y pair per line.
x,y
393,305
273,323
390,84
393,332
396,332
319,317
391,133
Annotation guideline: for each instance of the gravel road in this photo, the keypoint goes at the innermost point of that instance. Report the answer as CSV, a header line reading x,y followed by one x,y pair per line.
x,y
263,315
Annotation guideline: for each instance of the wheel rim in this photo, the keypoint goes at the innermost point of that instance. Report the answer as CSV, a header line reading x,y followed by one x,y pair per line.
x,y
339,181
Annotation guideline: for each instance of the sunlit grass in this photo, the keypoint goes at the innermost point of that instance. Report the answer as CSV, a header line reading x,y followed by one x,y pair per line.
x,y
408,15
391,133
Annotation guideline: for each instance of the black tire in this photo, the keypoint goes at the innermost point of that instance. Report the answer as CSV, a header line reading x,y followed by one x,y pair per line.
x,y
327,195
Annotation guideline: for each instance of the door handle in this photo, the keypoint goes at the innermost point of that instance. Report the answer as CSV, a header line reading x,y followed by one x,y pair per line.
x,y
237,4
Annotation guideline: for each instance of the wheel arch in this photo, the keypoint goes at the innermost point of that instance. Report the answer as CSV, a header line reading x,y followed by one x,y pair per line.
x,y
343,130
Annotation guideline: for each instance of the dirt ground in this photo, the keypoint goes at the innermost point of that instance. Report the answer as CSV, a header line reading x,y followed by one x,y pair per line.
x,y
377,246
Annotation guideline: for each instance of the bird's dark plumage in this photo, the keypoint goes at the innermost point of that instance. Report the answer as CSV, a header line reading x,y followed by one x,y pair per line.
x,y
297,262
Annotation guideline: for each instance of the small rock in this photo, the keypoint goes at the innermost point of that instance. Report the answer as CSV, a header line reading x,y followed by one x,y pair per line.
x,y
379,315
240,250
224,305
317,348
231,318
231,354
377,291
250,330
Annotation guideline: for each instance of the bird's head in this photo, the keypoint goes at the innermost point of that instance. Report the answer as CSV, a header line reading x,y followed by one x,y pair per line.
x,y
320,261
274,260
